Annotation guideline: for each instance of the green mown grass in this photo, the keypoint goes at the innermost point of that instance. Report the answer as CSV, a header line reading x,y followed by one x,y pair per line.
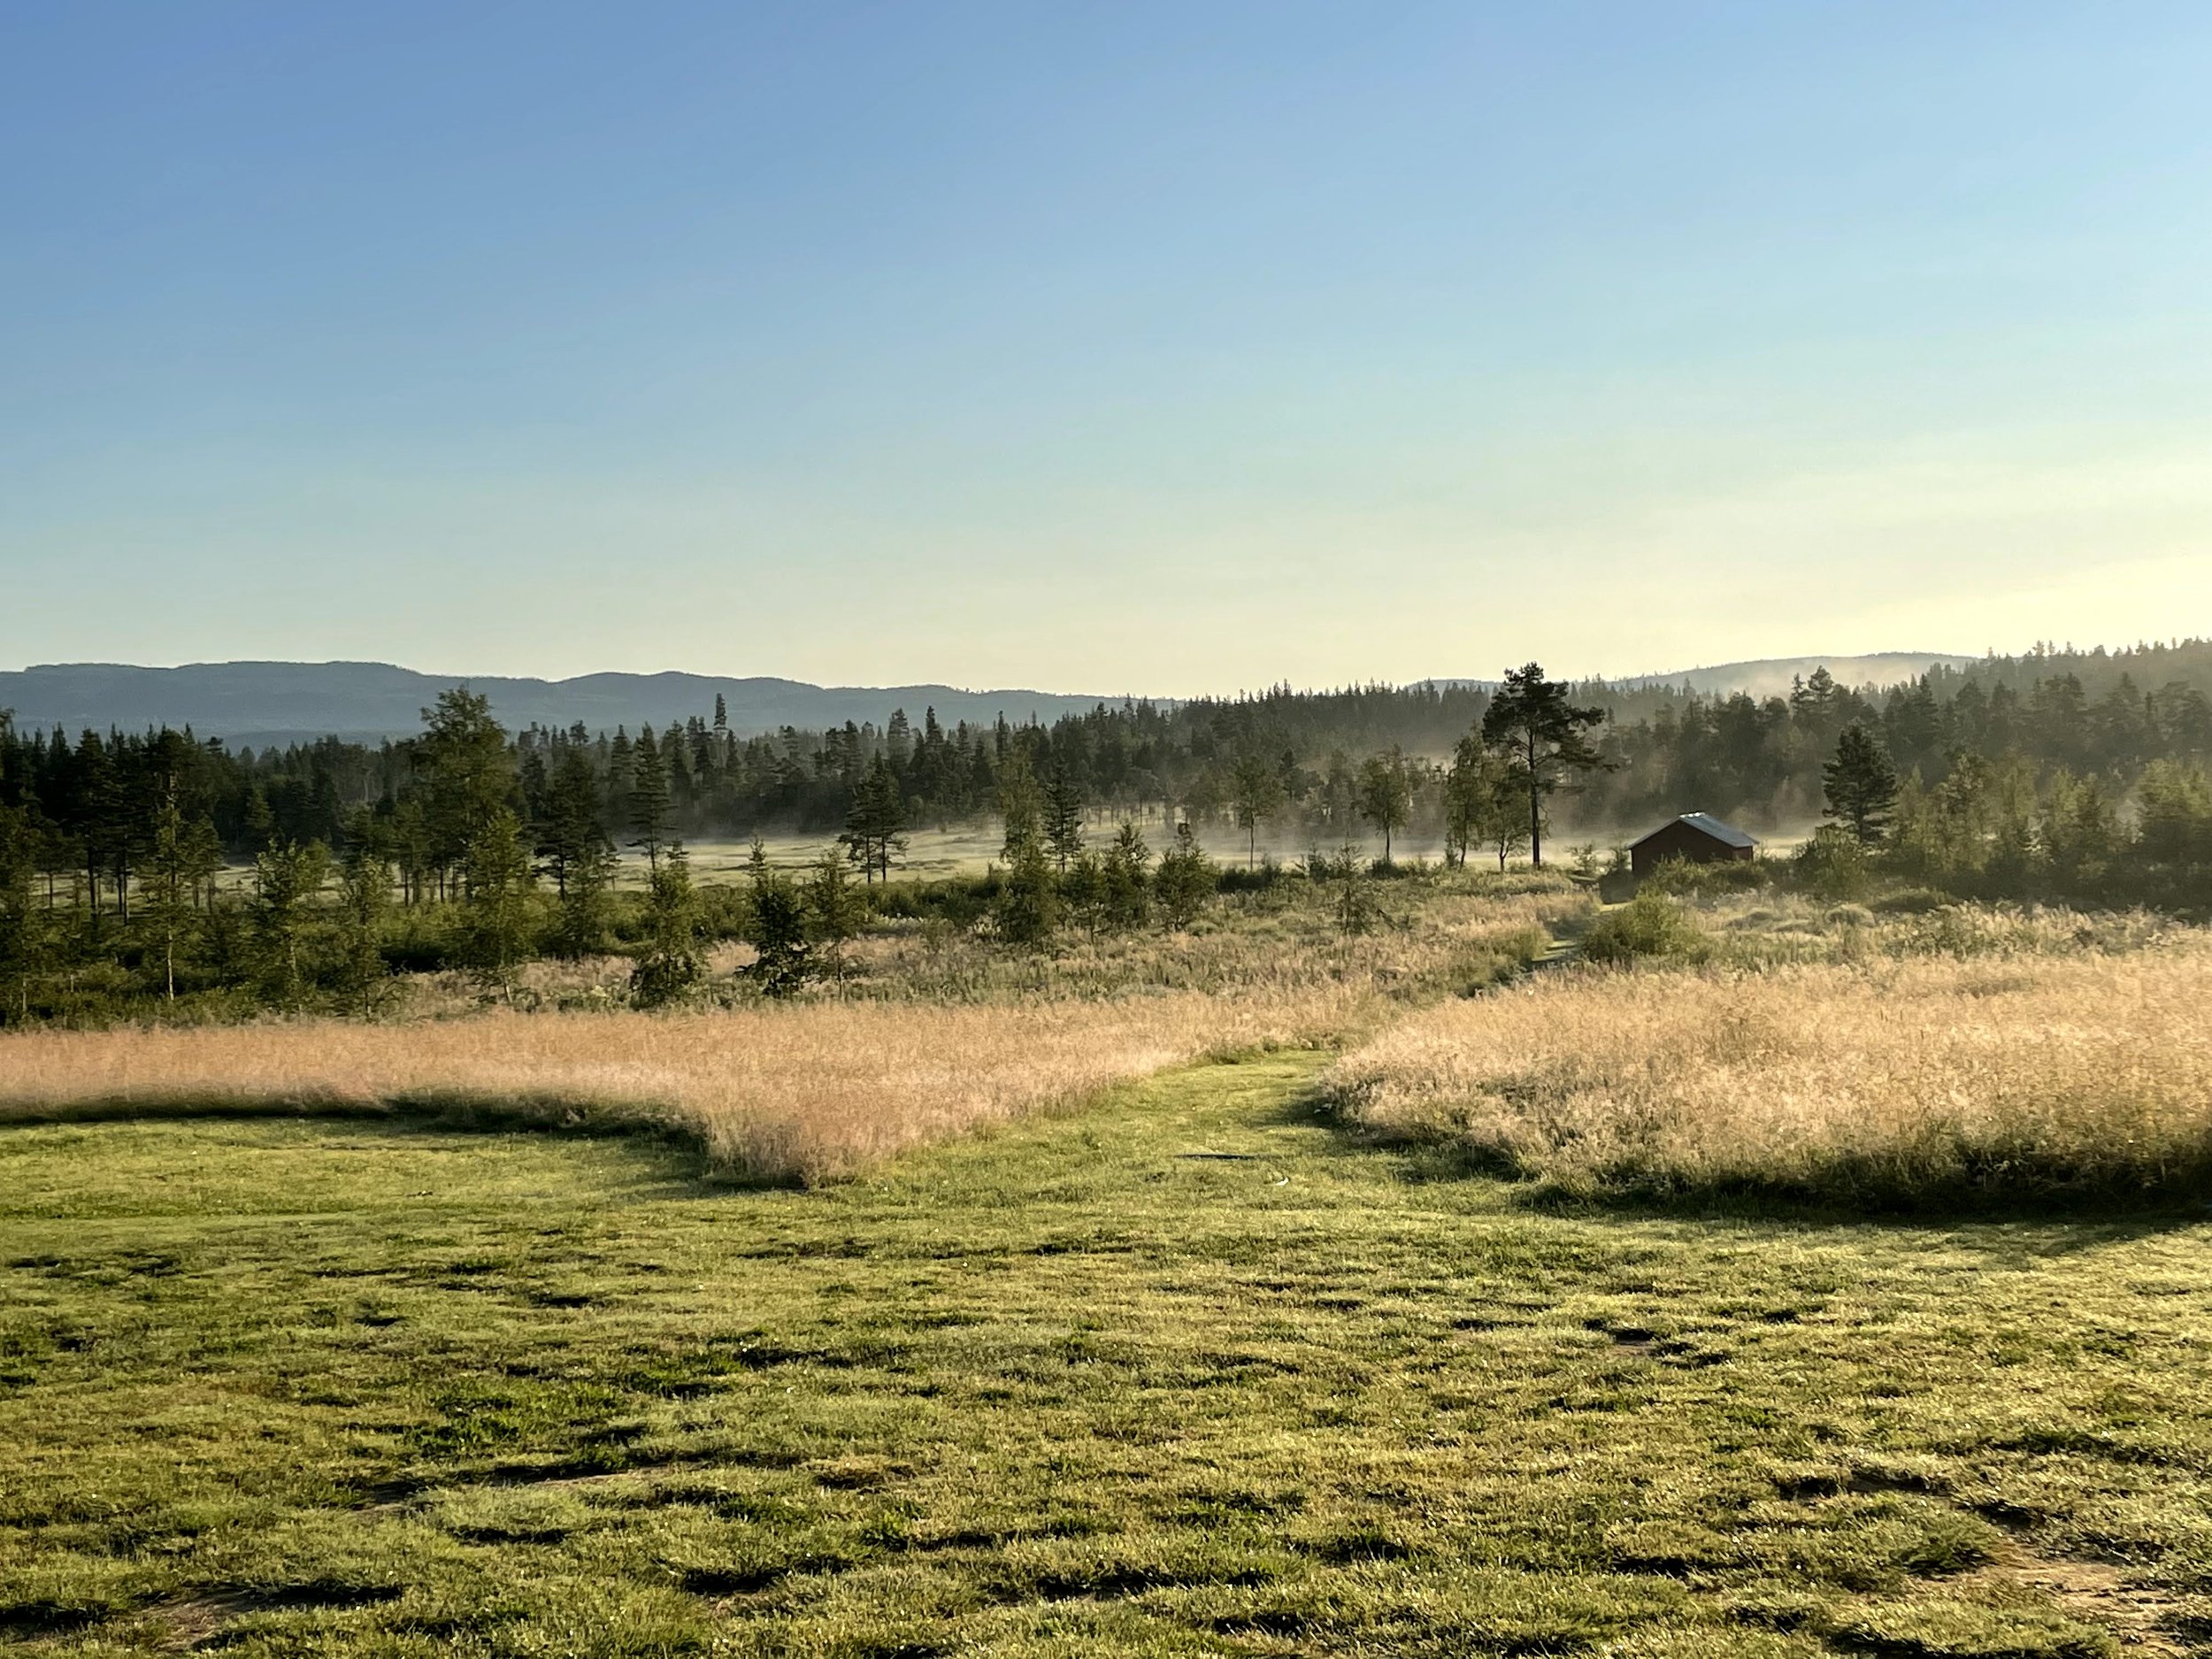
x,y
1188,1373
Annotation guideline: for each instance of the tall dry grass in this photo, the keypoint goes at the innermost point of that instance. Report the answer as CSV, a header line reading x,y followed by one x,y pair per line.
x,y
810,1092
1927,1082
1433,937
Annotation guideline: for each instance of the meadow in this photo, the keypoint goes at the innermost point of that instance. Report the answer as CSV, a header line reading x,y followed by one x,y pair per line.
x,y
1932,1082
1795,1291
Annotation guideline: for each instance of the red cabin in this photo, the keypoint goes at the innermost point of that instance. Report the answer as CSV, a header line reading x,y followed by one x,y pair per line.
x,y
1698,837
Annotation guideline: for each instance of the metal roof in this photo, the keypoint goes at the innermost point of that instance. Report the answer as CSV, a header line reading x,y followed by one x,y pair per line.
x,y
1727,834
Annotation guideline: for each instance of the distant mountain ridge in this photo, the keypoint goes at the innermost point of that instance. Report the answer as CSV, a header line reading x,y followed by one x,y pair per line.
x,y
266,702
261,703
1771,676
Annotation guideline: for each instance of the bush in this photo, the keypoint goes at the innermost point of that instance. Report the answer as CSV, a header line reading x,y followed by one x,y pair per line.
x,y
1833,863
1680,876
1650,926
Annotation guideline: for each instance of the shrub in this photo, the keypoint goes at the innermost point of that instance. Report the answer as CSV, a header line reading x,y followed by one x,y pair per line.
x,y
1831,863
1651,926
1680,876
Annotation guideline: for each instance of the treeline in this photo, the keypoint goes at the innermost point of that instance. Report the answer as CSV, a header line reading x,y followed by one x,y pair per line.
x,y
2009,829
2106,715
91,797
113,854
496,853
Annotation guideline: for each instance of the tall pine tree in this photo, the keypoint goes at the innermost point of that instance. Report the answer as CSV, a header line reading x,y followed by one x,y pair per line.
x,y
1531,723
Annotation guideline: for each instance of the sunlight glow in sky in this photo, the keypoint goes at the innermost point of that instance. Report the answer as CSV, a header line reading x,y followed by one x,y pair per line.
x,y
1151,347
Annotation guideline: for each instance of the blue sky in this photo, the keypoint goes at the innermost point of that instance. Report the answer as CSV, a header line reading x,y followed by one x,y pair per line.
x,y
1170,348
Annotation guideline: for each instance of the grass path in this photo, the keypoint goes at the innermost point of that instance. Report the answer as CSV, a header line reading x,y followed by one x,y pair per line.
x,y
1186,1373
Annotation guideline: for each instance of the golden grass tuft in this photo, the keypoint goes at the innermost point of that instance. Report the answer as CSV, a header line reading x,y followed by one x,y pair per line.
x,y
810,1092
1926,1083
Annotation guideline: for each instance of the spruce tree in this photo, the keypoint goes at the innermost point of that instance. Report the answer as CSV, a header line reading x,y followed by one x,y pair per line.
x,y
1087,893
1185,878
571,837
650,804
1352,891
838,910
461,762
287,878
1020,803
671,962
776,929
496,921
23,933
1027,910
364,898
1063,814
1128,889
1860,785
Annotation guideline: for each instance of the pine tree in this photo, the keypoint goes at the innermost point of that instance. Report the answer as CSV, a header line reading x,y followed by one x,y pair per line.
x,y
1860,785
876,821
1531,722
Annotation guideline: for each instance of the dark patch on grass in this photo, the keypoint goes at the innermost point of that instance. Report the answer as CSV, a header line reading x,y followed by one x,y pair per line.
x,y
1362,1544
28,1621
1105,1583
200,1620
519,1533
1860,1482
2014,1518
1270,1622
852,1476
751,1580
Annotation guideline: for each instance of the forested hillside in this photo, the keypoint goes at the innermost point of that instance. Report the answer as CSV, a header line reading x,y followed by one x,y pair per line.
x,y
1299,762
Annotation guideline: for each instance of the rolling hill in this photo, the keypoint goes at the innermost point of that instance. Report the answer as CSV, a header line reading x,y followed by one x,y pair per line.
x,y
265,702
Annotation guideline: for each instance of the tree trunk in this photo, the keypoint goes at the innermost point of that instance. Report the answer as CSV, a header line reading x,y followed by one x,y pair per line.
x,y
1535,811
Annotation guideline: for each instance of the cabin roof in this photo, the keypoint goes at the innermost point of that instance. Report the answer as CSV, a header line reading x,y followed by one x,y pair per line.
x,y
1705,823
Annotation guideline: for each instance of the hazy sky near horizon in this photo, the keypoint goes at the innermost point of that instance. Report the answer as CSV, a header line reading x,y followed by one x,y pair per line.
x,y
1160,346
